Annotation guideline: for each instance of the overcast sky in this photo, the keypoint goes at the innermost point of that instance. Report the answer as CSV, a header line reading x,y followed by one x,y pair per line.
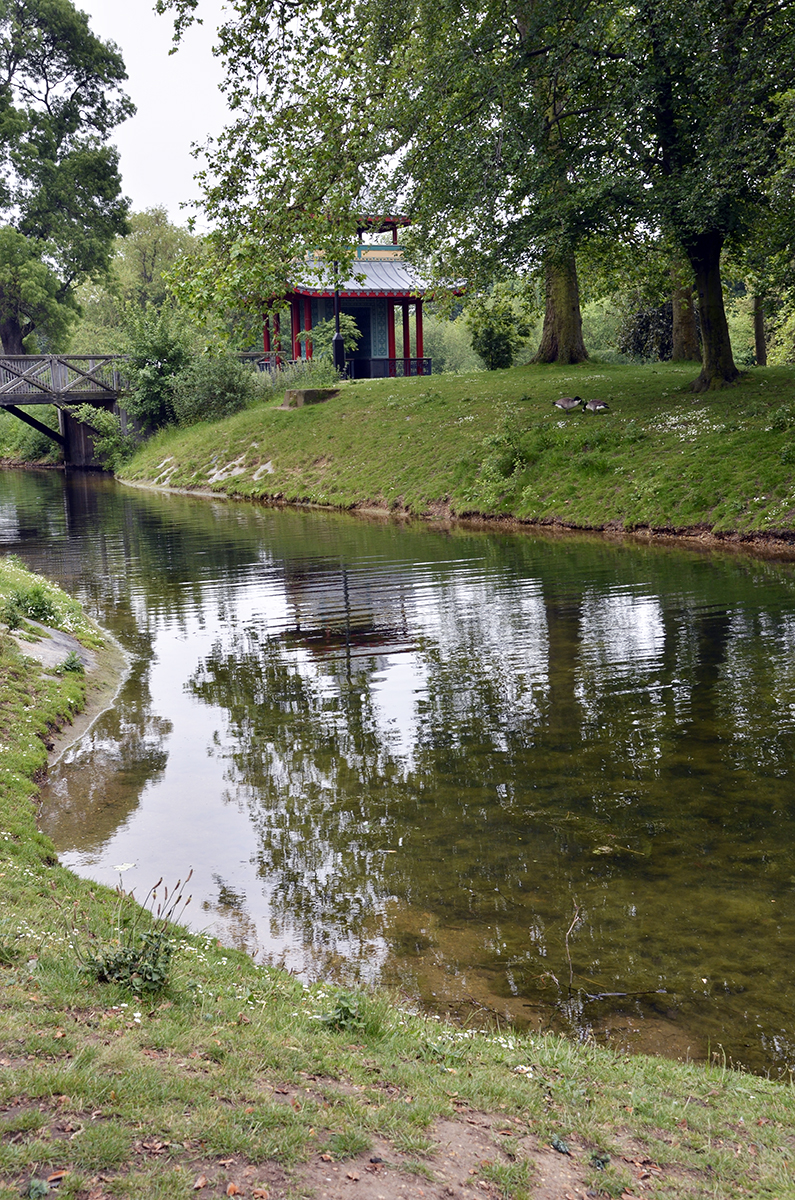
x,y
177,98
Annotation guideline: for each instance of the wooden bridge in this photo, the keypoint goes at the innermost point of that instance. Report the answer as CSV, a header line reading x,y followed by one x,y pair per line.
x,y
64,380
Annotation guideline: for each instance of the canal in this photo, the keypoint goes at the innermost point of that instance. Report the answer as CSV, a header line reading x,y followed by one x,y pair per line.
x,y
548,778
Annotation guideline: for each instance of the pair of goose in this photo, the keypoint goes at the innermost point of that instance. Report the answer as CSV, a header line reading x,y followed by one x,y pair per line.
x,y
569,403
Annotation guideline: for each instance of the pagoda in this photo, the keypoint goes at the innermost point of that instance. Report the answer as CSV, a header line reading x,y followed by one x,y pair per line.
x,y
385,283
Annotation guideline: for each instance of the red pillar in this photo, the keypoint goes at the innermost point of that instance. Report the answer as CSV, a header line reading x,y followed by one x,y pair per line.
x,y
406,339
418,329
308,323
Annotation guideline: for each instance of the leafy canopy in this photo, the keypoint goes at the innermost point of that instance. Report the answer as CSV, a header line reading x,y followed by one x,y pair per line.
x,y
60,98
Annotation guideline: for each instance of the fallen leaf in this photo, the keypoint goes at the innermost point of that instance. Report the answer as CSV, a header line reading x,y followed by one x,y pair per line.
x,y
57,1176
353,1175
200,1183
250,1109
260,1194
233,1190
327,1157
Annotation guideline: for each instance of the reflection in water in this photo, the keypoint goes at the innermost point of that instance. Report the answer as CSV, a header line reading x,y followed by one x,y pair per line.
x,y
423,756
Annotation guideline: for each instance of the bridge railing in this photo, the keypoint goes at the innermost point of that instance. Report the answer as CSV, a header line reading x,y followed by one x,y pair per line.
x,y
60,378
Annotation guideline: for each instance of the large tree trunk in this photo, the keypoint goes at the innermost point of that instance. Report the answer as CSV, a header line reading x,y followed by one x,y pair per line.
x,y
685,347
717,363
11,335
760,344
561,340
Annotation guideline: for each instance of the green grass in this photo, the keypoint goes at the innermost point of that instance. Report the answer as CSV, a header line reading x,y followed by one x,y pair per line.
x,y
492,443
243,1074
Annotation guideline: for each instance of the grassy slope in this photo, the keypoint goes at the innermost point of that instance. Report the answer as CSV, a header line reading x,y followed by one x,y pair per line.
x,y
493,443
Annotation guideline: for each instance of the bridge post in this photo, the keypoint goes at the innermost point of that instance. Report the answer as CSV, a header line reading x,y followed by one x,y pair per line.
x,y
78,448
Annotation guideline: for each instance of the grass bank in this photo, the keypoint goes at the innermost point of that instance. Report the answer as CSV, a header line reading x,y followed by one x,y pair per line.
x,y
492,443
237,1079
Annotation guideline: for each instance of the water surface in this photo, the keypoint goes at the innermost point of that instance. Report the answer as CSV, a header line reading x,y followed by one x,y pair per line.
x,y
546,777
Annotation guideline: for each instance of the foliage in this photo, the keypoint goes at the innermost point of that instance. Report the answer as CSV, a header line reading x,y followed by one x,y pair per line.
x,y
497,329
646,336
32,601
142,942
60,200
158,349
449,345
321,335
31,295
511,139
306,373
345,1015
212,386
21,443
136,280
112,445
72,664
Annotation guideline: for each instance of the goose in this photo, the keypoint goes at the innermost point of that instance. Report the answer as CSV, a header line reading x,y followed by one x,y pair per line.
x,y
596,406
568,403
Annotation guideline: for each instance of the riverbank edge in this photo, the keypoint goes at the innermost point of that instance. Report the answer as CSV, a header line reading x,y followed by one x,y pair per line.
x,y
774,545
356,1089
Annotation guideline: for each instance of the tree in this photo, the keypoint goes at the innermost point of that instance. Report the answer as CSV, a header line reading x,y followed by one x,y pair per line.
x,y
696,101
60,97
321,334
510,135
462,118
136,280
497,329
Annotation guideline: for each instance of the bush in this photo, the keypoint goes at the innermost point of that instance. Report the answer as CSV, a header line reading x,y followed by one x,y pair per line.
x,y
647,336
309,373
211,387
20,443
498,330
158,350
112,445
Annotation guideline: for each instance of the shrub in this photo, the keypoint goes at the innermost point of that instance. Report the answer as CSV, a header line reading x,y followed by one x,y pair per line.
x,y
157,348
34,602
498,330
112,446
210,387
309,373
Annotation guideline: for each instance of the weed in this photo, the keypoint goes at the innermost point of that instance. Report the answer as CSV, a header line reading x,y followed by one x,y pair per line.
x,y
348,1144
72,664
35,603
139,953
11,613
345,1015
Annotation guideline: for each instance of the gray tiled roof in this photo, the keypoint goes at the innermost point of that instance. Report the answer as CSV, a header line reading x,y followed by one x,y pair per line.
x,y
382,277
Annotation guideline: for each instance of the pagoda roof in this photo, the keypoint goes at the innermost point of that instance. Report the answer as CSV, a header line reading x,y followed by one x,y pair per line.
x,y
381,270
